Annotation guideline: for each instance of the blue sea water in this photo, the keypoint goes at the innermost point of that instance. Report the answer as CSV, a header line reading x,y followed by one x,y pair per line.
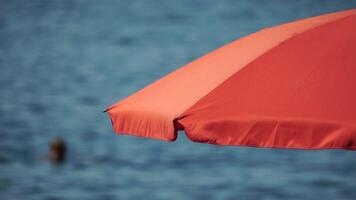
x,y
63,62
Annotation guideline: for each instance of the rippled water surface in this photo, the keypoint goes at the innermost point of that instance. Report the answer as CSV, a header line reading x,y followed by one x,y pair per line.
x,y
61,64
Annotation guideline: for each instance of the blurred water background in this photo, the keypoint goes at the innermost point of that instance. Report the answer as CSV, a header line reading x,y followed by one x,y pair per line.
x,y
63,62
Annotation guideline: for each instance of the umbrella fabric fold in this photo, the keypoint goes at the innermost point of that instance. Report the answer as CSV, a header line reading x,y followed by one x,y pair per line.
x,y
289,86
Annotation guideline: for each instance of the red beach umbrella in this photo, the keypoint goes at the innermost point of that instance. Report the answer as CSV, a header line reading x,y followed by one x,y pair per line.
x,y
289,86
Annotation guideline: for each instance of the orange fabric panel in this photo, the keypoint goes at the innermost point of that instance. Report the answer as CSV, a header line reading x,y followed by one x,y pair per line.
x,y
150,112
301,94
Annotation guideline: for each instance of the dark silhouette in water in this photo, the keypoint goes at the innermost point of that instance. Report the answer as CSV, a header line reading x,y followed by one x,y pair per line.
x,y
57,149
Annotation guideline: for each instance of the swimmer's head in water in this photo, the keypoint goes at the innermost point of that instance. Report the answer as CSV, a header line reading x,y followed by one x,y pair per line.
x,y
57,150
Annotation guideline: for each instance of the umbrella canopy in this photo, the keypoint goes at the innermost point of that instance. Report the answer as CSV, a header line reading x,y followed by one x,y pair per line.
x,y
289,86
